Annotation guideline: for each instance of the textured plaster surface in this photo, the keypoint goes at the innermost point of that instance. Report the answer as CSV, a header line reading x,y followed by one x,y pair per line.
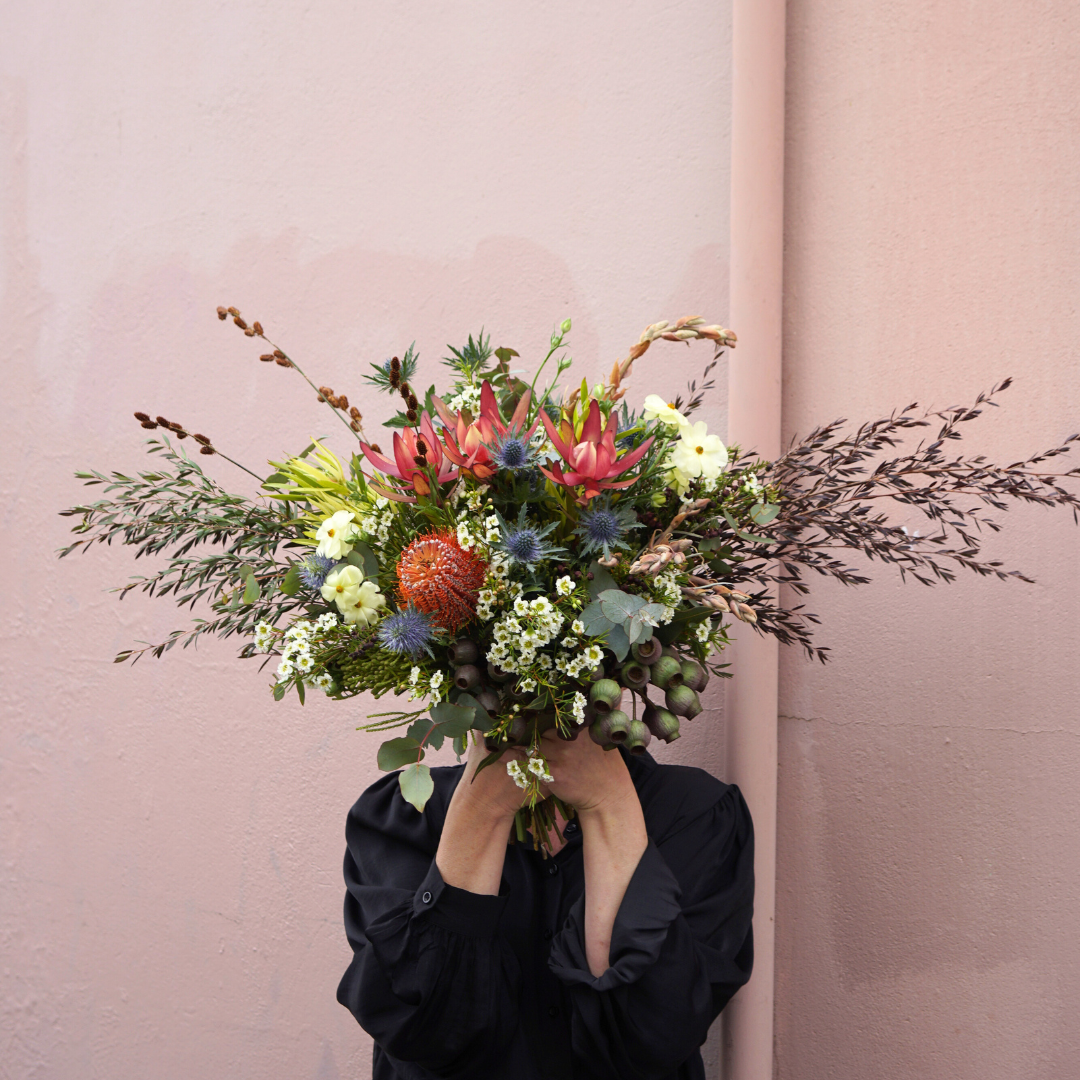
x,y
355,176
928,868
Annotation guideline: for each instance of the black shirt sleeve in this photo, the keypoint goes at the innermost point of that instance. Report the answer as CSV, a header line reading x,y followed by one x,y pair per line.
x,y
432,980
681,946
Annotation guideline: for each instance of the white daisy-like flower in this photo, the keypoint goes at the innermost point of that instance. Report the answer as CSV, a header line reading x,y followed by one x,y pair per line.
x,y
538,767
577,626
593,654
327,620
474,500
336,535
517,773
364,610
565,585
656,408
703,631
527,684
285,670
304,663
437,680
414,676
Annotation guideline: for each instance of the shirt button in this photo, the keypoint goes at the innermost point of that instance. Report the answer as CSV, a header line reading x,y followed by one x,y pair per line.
x,y
426,898
553,1011
549,934
571,827
553,869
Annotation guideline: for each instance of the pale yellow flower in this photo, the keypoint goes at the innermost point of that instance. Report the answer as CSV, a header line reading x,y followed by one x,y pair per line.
x,y
698,453
659,409
342,587
336,535
366,608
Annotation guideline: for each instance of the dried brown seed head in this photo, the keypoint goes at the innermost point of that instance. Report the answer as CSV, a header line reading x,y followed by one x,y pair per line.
x,y
162,421
239,322
354,412
376,447
222,314
343,401
419,460
354,425
257,327
206,450
413,403
141,416
201,439
249,332
411,416
233,311
421,445
180,433
279,354
282,361
266,357
395,364
149,424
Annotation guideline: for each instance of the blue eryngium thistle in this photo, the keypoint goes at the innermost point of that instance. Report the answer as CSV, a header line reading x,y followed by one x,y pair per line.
x,y
406,631
525,543
512,452
313,570
603,527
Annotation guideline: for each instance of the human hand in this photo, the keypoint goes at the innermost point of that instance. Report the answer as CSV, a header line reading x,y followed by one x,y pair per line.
x,y
585,775
490,793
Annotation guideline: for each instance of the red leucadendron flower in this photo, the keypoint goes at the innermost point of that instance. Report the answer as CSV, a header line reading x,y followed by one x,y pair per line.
x,y
467,445
592,458
417,453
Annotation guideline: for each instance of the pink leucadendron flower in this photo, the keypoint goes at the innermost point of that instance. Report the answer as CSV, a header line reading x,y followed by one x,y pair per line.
x,y
469,445
592,459
417,453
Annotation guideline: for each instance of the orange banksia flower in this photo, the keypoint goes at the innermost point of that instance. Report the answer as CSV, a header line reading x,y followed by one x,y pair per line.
x,y
439,577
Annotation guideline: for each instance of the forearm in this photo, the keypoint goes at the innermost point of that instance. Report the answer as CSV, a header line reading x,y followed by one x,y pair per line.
x,y
472,848
614,840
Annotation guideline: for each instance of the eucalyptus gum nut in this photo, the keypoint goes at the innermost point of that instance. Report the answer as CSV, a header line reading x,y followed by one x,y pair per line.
x,y
489,699
518,731
467,676
670,650
648,652
663,723
598,734
617,725
634,675
682,701
638,738
496,674
694,675
666,673
464,651
597,673
605,695
493,744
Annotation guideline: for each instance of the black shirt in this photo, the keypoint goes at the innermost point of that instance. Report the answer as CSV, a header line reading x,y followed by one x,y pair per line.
x,y
454,984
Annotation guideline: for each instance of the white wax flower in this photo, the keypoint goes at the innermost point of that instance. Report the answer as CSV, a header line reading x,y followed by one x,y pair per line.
x,y
656,408
336,535
342,587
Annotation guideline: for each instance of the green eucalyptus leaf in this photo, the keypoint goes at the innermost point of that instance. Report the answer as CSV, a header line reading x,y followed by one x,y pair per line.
x,y
618,642
459,746
468,701
600,581
396,753
279,691
300,690
620,607
453,719
416,785
763,513
595,621
291,582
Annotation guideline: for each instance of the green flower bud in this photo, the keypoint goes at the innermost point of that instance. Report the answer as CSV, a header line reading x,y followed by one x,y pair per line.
x,y
565,327
634,675
662,723
682,701
605,695
694,675
648,652
666,673
638,738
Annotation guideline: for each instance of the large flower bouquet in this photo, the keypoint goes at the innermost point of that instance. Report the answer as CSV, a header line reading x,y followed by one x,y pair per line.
x,y
527,556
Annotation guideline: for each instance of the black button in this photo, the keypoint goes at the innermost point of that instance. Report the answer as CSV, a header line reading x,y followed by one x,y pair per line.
x,y
553,1011
571,828
549,934
552,869
426,898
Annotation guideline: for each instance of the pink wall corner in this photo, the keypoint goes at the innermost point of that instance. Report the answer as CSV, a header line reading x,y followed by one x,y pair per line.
x,y
927,864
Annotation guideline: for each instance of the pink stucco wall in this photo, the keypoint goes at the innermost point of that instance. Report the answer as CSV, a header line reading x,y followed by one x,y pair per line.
x,y
928,865
355,176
